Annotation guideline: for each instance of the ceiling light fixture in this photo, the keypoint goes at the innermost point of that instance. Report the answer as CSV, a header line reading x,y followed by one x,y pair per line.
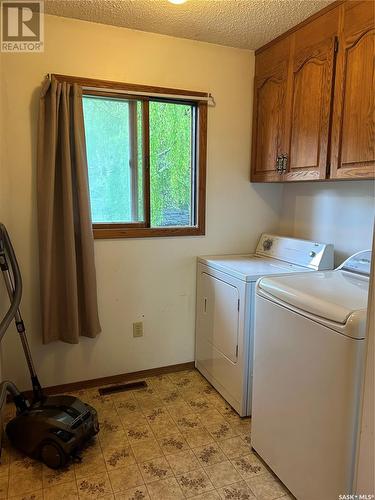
x,y
177,2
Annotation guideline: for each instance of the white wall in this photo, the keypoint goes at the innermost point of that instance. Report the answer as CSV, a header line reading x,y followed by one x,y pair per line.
x,y
150,277
338,212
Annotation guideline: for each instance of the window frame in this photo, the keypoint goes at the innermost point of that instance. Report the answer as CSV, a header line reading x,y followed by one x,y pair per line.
x,y
199,150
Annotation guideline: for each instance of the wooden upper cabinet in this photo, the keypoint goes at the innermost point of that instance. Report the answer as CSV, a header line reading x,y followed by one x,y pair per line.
x,y
353,128
269,118
314,98
310,96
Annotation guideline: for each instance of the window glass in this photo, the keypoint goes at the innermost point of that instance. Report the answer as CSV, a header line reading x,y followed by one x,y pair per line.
x,y
171,164
114,156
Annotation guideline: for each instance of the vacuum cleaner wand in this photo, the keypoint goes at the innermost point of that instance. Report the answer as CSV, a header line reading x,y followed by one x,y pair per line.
x,y
13,284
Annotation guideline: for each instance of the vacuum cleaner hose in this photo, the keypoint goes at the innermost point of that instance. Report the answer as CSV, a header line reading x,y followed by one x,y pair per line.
x,y
6,387
6,248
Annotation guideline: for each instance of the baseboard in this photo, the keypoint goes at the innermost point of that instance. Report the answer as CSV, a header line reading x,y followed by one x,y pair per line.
x,y
113,379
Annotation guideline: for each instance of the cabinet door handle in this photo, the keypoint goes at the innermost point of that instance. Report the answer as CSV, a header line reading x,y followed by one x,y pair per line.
x,y
205,304
284,163
279,167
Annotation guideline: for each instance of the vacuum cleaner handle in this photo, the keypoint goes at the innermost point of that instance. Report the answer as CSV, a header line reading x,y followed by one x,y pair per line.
x,y
6,249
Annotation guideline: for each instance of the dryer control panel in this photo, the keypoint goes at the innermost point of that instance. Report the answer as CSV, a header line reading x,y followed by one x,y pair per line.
x,y
311,254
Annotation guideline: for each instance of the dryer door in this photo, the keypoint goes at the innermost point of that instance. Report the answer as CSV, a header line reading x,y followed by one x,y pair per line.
x,y
220,304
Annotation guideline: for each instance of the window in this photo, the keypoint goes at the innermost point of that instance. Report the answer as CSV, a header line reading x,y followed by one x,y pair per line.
x,y
146,159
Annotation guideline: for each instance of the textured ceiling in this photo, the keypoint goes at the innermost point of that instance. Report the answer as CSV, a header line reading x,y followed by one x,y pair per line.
x,y
238,23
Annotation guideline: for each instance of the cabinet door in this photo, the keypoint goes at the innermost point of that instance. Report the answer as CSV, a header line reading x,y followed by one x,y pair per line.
x,y
353,128
312,68
270,92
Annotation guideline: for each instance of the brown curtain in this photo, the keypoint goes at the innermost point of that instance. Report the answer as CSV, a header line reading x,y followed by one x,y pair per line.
x,y
66,246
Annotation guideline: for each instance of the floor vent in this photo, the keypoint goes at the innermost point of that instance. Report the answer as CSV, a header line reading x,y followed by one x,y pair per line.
x,y
130,386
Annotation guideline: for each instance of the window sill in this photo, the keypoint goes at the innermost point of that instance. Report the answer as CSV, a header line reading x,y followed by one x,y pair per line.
x,y
145,232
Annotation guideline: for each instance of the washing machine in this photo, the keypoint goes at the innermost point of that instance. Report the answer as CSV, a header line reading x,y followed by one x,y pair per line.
x,y
225,308
308,368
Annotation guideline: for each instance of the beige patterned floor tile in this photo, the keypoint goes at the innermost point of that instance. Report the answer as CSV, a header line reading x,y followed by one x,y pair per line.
x,y
178,410
128,406
243,425
189,421
211,416
199,404
25,482
266,487
164,427
122,396
54,477
194,483
183,462
238,490
222,474
221,430
66,491
161,383
109,422
190,390
95,486
149,403
138,432
144,393
171,398
125,478
133,418
146,450
249,466
4,461
92,463
209,454
93,445
234,447
210,495
138,493
198,437
154,470
156,415
99,402
166,489
184,383
111,439
34,495
207,389
24,464
229,414
173,443
4,487
247,440
118,456
217,401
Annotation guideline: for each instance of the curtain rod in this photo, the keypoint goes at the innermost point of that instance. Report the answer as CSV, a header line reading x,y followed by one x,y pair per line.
x,y
209,99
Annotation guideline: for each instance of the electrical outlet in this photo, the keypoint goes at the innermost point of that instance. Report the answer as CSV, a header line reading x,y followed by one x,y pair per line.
x,y
138,329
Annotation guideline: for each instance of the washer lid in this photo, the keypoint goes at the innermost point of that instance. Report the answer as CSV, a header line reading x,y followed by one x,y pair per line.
x,y
331,295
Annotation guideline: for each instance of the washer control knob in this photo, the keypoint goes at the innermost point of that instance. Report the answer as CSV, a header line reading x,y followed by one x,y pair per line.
x,y
312,254
267,244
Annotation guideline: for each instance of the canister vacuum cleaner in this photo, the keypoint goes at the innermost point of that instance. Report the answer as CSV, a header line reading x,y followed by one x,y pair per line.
x,y
52,429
